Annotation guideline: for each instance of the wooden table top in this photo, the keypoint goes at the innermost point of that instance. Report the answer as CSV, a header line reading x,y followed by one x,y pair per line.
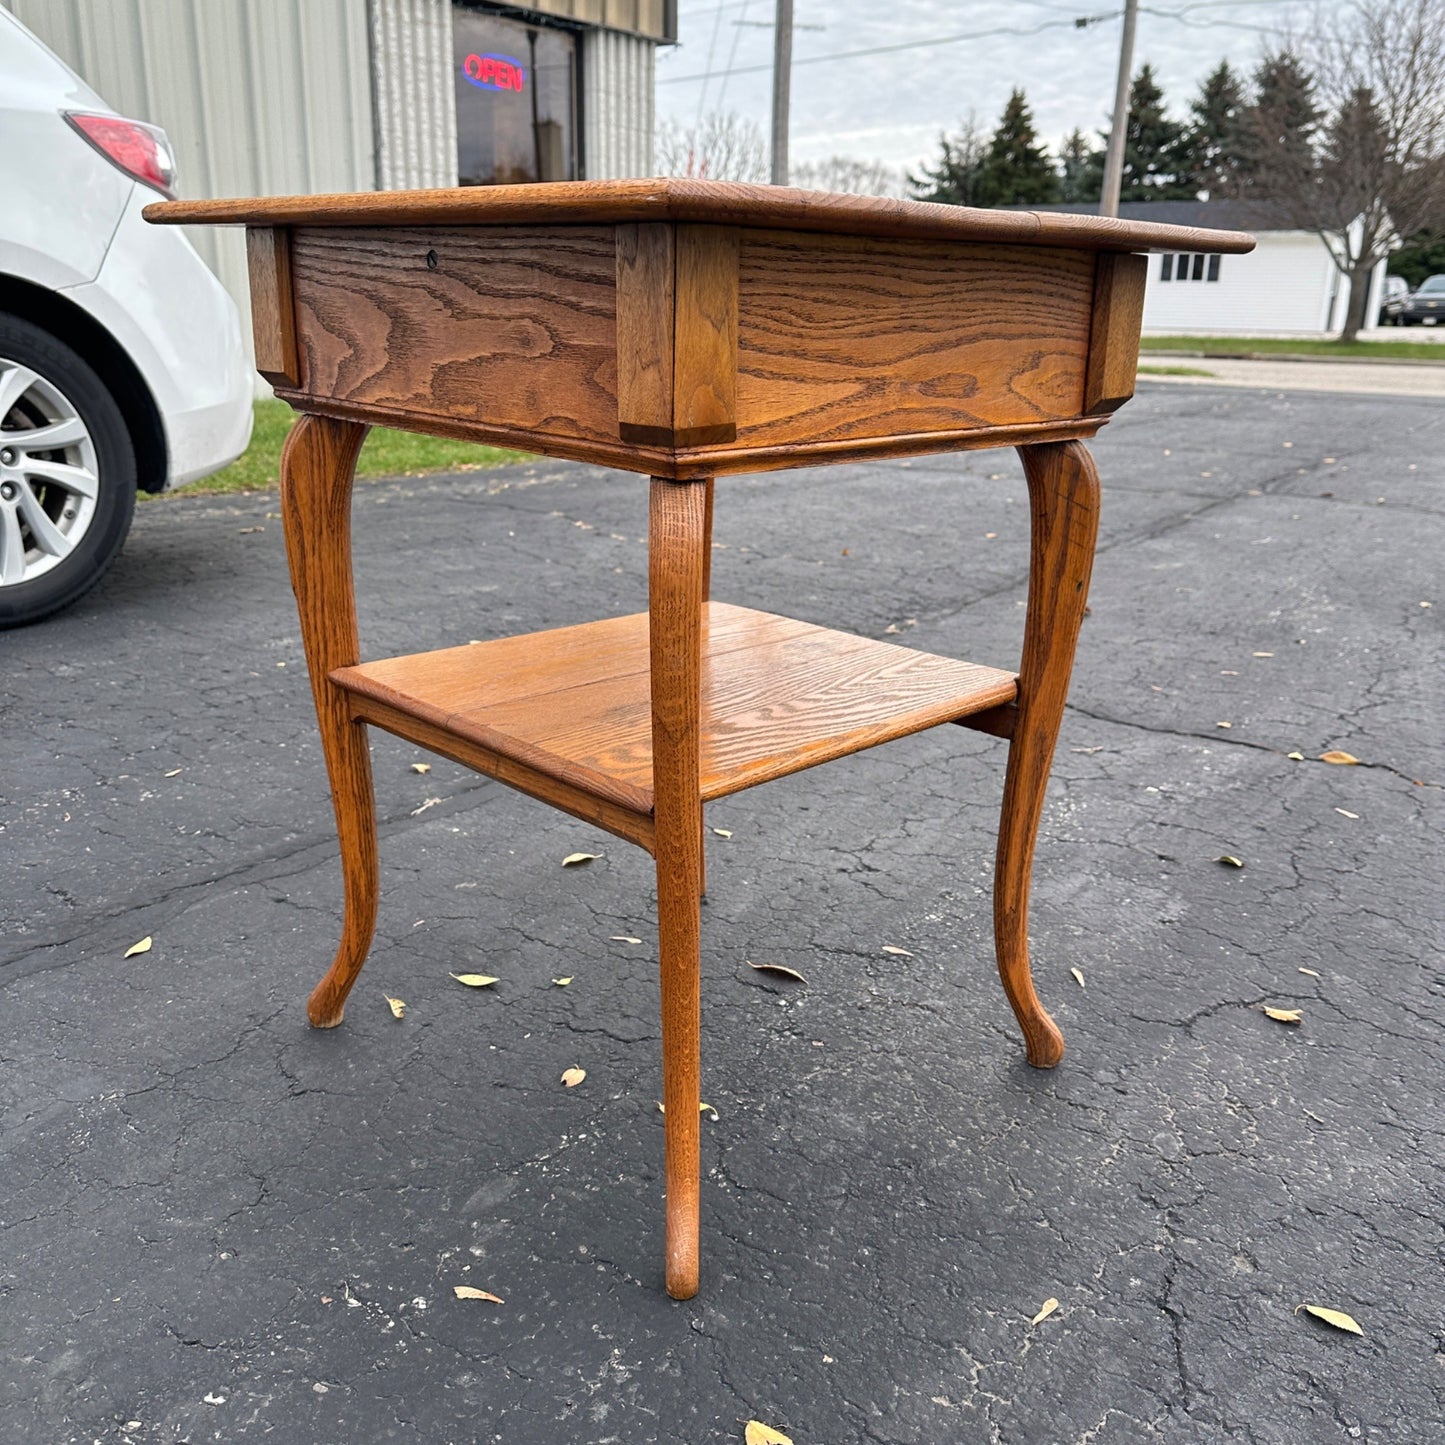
x,y
716,202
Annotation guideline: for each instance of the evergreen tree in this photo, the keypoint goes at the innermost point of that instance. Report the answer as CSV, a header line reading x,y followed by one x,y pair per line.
x,y
953,180
1153,146
1214,145
1277,135
1016,169
1081,170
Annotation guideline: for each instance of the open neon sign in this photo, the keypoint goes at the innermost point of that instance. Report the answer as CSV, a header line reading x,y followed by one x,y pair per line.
x,y
494,72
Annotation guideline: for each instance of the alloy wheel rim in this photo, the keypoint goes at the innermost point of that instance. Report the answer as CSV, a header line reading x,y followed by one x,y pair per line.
x,y
49,476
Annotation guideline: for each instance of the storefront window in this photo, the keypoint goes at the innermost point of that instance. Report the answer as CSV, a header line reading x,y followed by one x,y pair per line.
x,y
516,99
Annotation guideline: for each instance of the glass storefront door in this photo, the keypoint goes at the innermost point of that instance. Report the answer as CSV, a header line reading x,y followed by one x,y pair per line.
x,y
516,85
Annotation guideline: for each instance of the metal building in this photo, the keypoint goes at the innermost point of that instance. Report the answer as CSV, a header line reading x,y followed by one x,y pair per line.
x,y
274,97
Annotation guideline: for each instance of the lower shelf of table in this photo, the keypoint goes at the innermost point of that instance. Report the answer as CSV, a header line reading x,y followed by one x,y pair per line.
x,y
567,714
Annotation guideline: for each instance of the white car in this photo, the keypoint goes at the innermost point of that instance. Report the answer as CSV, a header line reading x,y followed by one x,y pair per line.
x,y
122,364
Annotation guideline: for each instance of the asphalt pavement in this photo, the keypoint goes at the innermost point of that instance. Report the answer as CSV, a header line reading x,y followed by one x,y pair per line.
x,y
219,1225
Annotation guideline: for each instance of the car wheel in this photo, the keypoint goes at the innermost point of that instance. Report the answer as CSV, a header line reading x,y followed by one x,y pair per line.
x,y
67,474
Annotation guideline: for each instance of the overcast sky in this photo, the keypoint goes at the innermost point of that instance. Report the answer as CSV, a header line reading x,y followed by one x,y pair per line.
x,y
890,104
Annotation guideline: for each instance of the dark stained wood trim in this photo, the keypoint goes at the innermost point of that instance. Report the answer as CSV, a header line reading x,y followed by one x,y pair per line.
x,y
699,462
1119,283
722,203
273,304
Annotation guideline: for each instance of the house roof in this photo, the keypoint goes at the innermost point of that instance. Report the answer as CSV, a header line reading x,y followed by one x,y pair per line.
x,y
1220,215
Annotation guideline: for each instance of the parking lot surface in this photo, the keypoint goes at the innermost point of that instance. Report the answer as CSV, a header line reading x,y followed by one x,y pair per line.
x,y
219,1225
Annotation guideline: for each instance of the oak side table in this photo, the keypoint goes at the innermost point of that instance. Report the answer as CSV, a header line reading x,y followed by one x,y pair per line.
x,y
687,330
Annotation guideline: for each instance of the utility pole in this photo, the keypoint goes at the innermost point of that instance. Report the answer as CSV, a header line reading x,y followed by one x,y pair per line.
x,y
1114,158
782,75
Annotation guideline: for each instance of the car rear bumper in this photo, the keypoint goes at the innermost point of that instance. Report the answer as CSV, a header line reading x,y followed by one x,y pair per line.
x,y
181,328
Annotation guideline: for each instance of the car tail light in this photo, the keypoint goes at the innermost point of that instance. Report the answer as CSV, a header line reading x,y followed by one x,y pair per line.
x,y
141,151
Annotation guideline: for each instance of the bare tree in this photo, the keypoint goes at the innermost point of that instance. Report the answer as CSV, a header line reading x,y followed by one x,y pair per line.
x,y
1375,168
848,175
723,146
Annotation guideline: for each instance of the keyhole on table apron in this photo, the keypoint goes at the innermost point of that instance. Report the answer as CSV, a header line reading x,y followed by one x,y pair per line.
x,y
431,260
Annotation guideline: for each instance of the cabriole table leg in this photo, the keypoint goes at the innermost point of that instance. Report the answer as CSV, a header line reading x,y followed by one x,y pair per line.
x,y
1064,511
676,552
317,468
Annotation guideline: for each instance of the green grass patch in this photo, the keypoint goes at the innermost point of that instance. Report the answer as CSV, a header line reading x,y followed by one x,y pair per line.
x,y
385,454
1174,371
1251,346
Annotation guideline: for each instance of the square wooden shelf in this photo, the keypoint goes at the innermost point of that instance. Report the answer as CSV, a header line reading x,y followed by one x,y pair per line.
x,y
571,709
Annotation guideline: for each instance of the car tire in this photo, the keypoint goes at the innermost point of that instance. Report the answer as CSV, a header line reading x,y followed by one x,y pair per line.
x,y
65,509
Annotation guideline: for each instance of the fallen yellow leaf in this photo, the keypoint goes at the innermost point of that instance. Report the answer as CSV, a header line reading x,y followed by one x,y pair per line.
x,y
144,946
1045,1310
1313,972
421,767
1338,1318
723,832
1223,725
1285,1015
573,1077
1263,654
1078,976
777,968
474,980
623,938
563,982
1336,756
466,1291
1231,860
572,859
901,952
397,1006
1295,757
757,1433
1345,813
175,772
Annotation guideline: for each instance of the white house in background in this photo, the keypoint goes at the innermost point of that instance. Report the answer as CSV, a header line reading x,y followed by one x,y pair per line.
x,y
1287,285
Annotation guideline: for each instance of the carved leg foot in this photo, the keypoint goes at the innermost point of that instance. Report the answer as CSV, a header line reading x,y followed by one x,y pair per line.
x,y
1064,505
317,468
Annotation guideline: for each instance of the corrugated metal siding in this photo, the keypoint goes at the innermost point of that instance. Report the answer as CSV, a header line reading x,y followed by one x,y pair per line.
x,y
617,105
259,97
413,94
1283,285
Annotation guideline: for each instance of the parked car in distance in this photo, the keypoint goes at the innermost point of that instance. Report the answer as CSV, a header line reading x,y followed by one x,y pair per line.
x,y
1425,306
1392,300
122,364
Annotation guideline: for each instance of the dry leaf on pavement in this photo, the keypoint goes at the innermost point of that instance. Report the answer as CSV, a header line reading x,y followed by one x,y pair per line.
x,y
1338,1318
474,980
573,1077
1045,1310
723,832
396,1005
466,1291
894,949
759,1434
623,938
1336,756
1231,860
777,968
573,859
563,982
421,767
1078,976
144,946
1285,1015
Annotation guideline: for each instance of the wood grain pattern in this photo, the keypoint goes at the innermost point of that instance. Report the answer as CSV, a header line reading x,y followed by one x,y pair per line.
x,y
722,203
318,463
602,812
273,309
1118,315
646,270
706,338
778,696
677,543
1064,511
843,338
504,328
